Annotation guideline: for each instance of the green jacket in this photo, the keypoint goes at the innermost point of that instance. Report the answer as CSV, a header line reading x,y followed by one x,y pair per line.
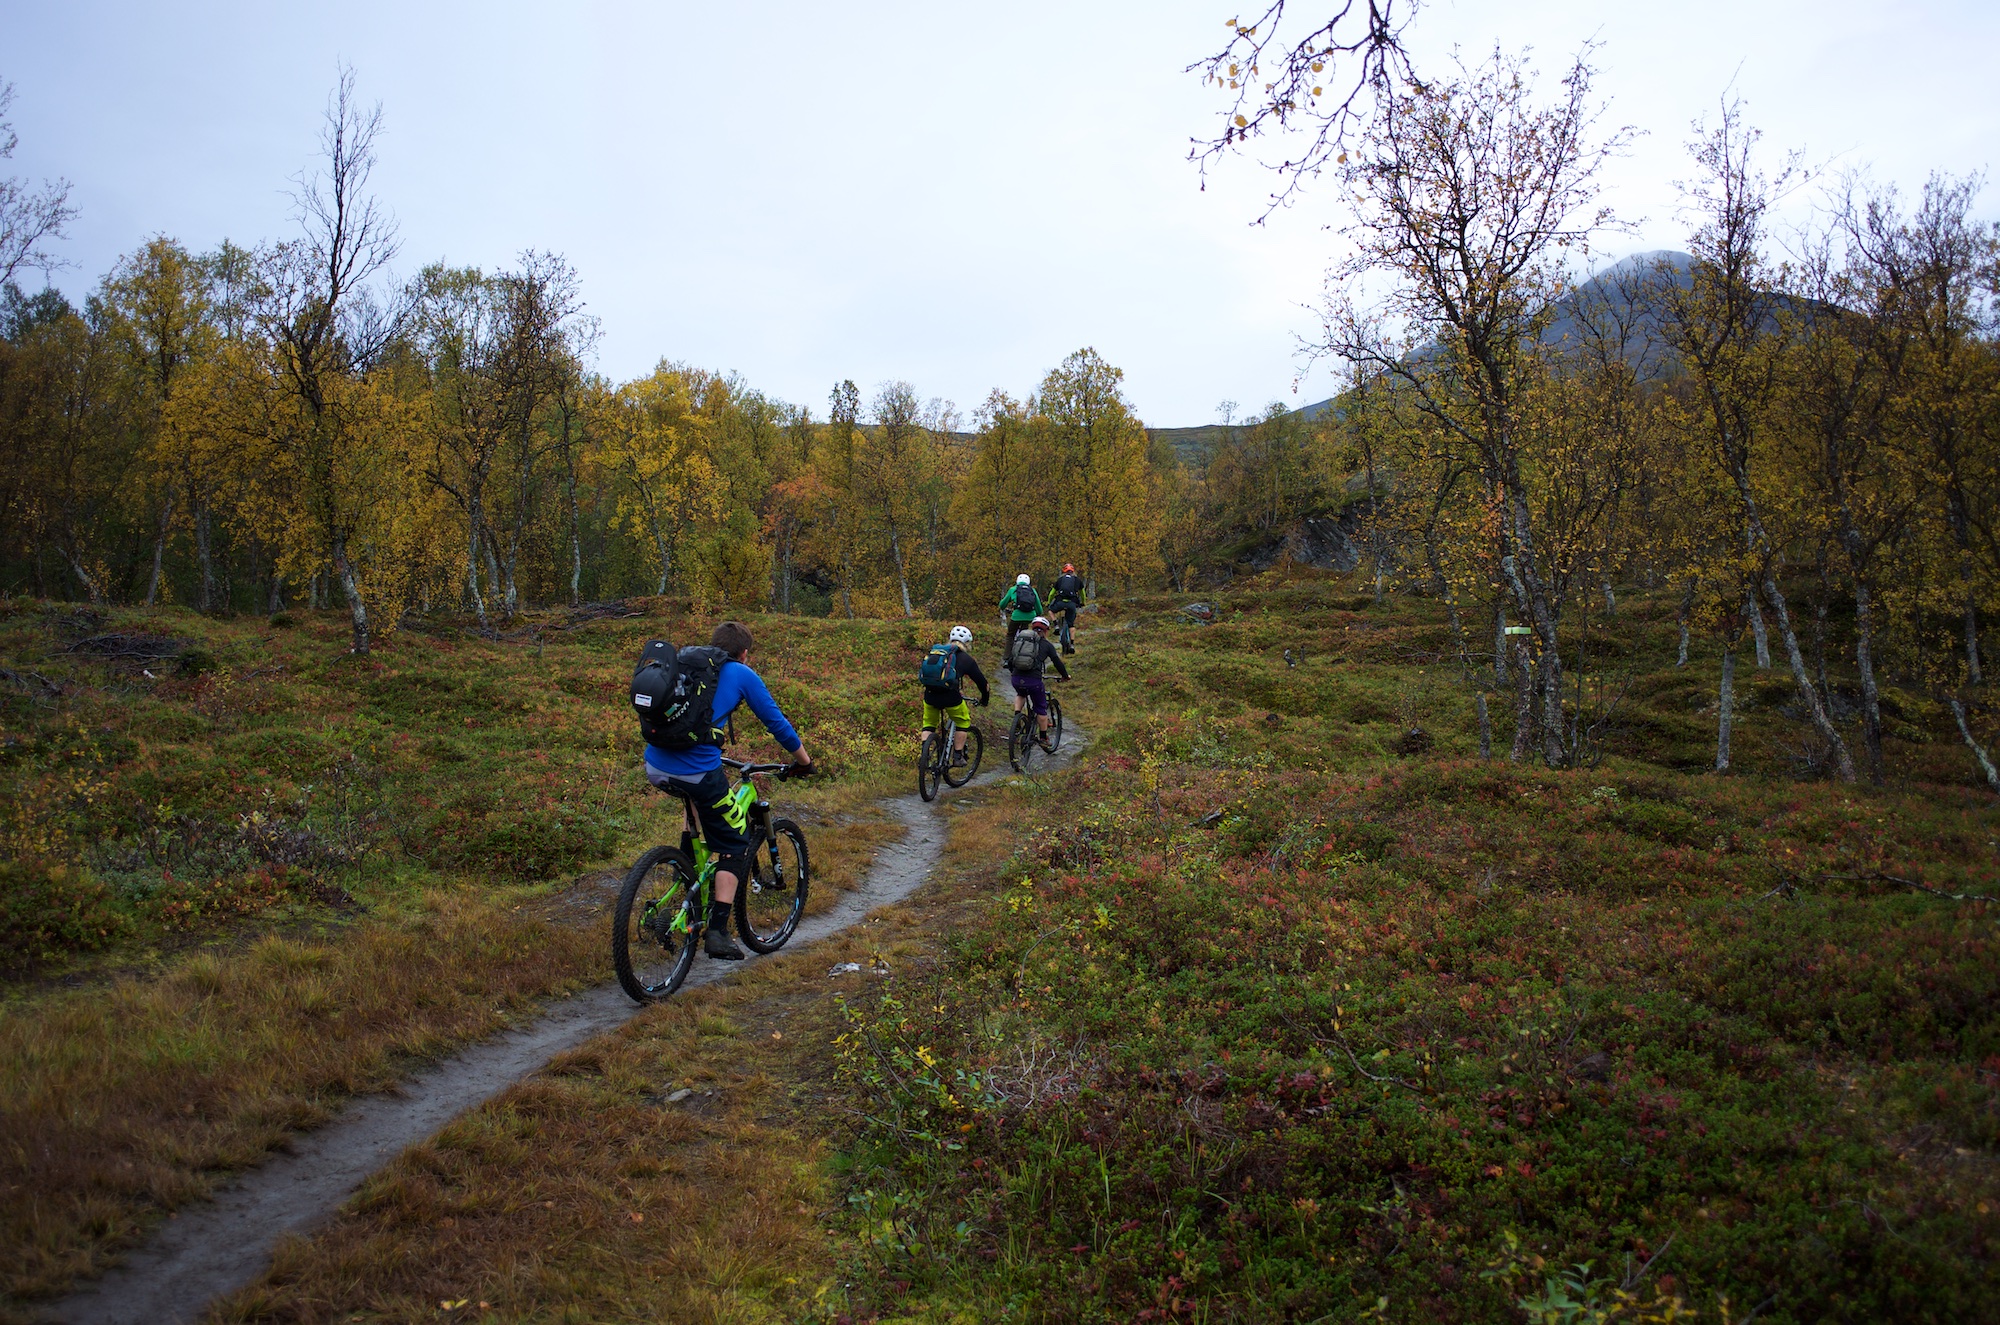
x,y
1012,600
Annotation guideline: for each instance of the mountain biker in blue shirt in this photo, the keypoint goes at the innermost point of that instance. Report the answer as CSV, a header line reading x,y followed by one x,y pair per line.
x,y
697,774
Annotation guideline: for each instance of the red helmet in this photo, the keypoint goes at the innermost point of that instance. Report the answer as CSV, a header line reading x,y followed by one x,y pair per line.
x,y
1068,569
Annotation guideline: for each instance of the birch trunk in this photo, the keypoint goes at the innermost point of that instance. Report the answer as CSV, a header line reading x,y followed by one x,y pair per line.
x,y
344,570
1524,707
1758,633
160,547
204,553
666,557
472,559
575,543
90,585
1972,668
492,566
1725,708
1864,661
902,575
513,599
1815,706
1965,731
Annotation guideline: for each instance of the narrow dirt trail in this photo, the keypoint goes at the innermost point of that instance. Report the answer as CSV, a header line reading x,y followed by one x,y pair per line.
x,y
208,1250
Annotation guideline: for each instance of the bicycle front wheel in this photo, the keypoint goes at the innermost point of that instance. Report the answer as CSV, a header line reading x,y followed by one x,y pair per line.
x,y
958,775
927,768
770,902
1055,725
652,929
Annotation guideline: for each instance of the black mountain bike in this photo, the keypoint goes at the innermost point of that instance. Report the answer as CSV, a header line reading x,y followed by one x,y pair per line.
x,y
934,758
663,907
1027,743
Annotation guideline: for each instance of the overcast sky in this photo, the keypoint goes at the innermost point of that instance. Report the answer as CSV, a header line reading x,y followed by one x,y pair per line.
x,y
957,195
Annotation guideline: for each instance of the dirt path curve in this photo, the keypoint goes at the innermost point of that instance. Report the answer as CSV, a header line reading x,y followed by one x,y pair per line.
x,y
217,1247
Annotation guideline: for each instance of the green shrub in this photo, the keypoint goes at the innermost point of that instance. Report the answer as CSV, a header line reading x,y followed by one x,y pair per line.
x,y
476,835
283,752
47,910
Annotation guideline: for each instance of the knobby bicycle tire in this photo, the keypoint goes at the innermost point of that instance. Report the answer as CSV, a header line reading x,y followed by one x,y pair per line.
x,y
928,771
1022,742
975,750
770,902
1055,725
650,957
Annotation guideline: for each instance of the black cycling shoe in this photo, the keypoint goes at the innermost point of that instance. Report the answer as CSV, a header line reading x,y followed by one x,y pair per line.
x,y
717,944
958,758
1068,649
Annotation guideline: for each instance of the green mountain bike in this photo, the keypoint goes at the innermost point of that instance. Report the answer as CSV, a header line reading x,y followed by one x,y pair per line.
x,y
934,761
663,906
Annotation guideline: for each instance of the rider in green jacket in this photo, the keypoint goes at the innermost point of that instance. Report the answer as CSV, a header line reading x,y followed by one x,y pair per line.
x,y
1022,605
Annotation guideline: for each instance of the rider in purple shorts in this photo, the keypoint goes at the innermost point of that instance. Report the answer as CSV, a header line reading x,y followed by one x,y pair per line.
x,y
1027,654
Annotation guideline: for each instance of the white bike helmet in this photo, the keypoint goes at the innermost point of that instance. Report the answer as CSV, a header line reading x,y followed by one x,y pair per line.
x,y
1022,578
1040,623
960,635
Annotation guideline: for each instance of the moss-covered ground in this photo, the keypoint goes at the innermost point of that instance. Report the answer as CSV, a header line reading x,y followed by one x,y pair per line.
x,y
244,875
1251,1017
1269,1022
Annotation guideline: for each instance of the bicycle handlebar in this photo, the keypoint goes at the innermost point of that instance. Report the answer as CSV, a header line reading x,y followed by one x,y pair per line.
x,y
749,769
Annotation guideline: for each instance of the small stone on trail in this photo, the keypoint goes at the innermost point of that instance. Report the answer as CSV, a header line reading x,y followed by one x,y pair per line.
x,y
846,968
674,1098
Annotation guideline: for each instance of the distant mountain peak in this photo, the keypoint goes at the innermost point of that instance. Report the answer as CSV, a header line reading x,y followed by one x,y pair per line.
x,y
1649,261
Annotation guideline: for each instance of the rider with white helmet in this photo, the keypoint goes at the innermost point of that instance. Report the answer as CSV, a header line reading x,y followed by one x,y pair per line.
x,y
945,668
1021,604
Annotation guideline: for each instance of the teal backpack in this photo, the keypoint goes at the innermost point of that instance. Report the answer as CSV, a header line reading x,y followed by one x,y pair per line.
x,y
940,669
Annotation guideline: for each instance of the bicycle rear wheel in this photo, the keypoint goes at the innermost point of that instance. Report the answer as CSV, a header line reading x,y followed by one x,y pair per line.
x,y
652,929
975,748
770,902
928,771
1023,745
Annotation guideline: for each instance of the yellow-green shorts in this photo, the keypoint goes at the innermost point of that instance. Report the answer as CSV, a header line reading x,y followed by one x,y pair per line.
x,y
958,713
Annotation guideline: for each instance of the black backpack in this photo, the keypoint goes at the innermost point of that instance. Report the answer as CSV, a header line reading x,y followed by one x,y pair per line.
x,y
1026,599
1025,653
673,692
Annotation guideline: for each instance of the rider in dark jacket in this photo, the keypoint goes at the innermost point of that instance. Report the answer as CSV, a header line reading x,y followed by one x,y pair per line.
x,y
1027,680
1064,602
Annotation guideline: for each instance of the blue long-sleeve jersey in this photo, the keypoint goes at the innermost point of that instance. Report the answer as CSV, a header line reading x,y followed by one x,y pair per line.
x,y
736,684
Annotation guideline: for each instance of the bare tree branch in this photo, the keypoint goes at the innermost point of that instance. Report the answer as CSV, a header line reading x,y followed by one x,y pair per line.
x,y
1328,82
27,217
